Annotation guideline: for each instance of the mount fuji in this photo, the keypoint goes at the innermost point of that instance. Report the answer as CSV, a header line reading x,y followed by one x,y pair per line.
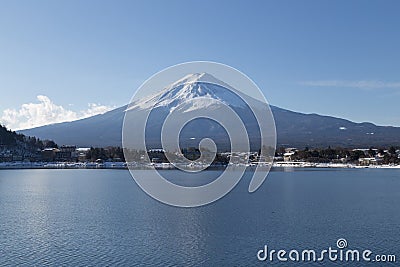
x,y
191,96
293,129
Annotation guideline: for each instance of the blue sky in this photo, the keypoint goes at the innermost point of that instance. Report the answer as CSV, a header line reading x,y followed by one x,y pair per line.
x,y
339,58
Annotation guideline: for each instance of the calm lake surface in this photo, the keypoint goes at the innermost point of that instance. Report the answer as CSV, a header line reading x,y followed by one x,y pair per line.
x,y
102,218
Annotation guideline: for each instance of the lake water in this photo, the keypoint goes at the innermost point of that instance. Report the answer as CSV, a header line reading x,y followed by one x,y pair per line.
x,y
102,218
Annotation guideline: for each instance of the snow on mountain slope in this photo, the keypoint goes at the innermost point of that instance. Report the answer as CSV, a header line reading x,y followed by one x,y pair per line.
x,y
193,86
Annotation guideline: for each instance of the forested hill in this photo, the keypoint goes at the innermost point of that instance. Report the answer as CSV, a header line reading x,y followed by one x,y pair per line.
x,y
10,140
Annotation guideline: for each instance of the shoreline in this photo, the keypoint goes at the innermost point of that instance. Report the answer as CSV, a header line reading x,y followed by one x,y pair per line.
x,y
169,166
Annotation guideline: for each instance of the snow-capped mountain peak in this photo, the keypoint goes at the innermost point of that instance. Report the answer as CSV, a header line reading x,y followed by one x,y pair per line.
x,y
191,86
202,77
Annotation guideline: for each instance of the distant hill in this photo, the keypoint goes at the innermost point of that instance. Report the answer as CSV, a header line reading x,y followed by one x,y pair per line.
x,y
294,129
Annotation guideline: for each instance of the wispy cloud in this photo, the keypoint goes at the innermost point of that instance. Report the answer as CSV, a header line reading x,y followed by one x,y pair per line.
x,y
46,112
366,84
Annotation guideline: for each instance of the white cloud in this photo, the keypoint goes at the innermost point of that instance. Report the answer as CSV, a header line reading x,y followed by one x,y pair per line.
x,y
46,112
355,84
95,109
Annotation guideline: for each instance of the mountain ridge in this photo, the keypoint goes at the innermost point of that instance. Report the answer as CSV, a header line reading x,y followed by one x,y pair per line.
x,y
293,129
288,133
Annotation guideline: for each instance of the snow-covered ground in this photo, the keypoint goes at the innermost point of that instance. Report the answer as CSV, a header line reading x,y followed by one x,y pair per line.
x,y
123,165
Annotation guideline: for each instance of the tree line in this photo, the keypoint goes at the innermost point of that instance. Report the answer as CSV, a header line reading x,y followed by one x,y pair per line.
x,y
326,155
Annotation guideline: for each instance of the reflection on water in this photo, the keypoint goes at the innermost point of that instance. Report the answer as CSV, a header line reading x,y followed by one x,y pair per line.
x,y
101,217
